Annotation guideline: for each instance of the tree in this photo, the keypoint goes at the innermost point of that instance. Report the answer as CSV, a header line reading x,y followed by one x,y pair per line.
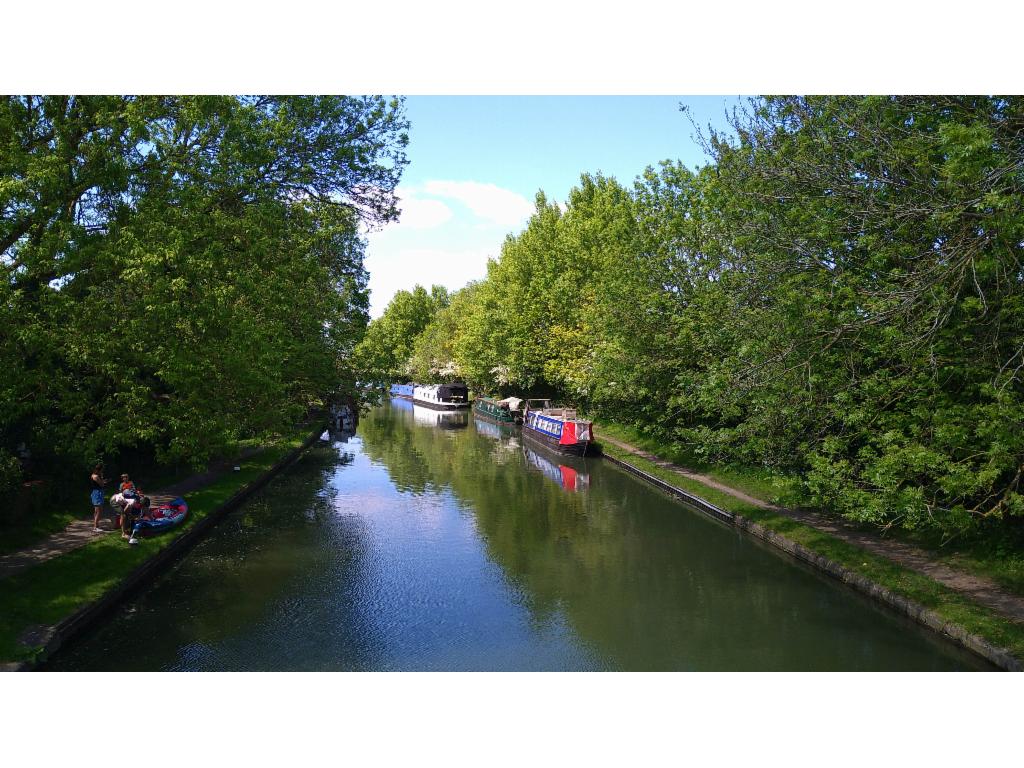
x,y
877,247
383,354
434,356
180,271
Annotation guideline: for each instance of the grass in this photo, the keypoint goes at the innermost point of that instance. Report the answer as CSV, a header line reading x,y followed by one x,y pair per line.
x,y
996,552
761,483
69,502
952,606
47,593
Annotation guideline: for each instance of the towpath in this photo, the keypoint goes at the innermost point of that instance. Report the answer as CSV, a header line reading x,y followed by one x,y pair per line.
x,y
980,589
79,532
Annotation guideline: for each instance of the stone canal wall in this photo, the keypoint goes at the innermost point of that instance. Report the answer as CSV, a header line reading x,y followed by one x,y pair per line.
x,y
915,611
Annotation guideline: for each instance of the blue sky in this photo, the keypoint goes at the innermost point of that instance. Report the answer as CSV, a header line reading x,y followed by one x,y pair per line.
x,y
477,162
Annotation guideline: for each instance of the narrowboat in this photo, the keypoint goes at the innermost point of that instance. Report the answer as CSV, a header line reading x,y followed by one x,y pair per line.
x,y
507,411
441,397
558,429
405,391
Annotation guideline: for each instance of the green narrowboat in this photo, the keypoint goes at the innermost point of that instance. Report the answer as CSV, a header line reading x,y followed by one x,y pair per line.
x,y
507,411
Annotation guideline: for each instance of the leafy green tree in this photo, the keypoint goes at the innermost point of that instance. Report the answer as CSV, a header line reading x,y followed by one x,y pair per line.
x,y
434,356
532,324
877,244
180,271
383,354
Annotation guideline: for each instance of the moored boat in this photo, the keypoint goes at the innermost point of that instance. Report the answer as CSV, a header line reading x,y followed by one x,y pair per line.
x,y
507,411
558,429
441,397
405,391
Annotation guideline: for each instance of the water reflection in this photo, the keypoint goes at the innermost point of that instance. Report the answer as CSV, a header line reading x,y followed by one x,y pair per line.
x,y
641,581
570,472
444,419
492,430
418,547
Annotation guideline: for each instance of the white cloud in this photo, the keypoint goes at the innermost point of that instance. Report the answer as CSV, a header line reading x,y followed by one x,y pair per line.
x,y
433,243
488,201
418,213
402,268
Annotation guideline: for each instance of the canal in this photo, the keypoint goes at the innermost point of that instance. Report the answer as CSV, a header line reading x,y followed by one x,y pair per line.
x,y
440,542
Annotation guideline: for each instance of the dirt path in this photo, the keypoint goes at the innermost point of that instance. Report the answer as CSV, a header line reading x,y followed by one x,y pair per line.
x,y
79,532
980,589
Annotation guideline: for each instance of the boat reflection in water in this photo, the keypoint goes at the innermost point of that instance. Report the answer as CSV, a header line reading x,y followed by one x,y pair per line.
x,y
505,437
340,435
492,430
570,473
401,404
443,419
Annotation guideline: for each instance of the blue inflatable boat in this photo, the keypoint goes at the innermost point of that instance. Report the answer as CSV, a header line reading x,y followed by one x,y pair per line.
x,y
161,518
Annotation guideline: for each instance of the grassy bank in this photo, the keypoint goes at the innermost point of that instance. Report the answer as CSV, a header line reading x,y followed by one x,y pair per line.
x,y
46,593
763,484
951,606
994,551
67,501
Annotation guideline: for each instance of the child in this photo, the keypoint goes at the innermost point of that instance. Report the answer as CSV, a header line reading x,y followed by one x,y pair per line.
x,y
127,488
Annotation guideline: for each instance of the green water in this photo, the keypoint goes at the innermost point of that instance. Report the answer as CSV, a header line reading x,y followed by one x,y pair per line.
x,y
431,542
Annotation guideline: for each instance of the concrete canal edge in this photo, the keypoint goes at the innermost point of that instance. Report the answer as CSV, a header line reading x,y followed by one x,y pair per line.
x,y
913,610
86,616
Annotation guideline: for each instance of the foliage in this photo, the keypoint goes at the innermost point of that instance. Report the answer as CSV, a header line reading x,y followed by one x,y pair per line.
x,y
181,271
383,354
877,244
837,295
434,356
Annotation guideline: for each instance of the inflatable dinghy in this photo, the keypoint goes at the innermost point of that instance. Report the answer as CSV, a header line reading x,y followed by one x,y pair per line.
x,y
161,518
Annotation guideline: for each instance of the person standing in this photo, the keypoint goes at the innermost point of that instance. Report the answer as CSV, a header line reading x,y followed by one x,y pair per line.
x,y
96,496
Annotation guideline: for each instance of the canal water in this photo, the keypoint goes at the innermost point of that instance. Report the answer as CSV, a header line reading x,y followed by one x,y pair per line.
x,y
433,541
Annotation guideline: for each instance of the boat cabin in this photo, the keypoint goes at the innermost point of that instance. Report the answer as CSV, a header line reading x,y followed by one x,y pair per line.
x,y
444,396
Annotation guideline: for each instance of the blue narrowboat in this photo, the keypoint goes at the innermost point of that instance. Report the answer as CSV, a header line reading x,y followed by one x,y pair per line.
x,y
403,390
558,429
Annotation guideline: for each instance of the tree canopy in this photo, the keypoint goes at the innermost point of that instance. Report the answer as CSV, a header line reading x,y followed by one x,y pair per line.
x,y
837,294
383,354
182,271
